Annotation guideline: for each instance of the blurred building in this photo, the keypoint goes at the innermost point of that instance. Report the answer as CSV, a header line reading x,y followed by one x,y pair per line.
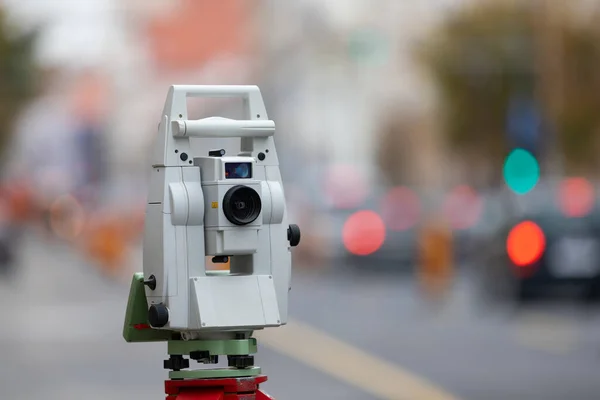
x,y
165,43
140,48
331,72
338,71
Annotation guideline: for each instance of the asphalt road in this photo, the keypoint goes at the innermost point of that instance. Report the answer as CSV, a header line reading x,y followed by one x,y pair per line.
x,y
350,337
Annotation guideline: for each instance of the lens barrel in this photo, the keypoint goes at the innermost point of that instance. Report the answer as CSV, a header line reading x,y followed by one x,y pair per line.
x,y
241,205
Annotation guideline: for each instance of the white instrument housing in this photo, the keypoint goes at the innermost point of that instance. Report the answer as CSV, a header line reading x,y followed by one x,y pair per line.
x,y
189,216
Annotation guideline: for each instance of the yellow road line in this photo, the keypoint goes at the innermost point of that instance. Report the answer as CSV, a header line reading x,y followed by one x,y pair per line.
x,y
349,364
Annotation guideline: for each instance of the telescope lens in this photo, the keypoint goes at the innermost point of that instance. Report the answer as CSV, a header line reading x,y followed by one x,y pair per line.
x,y
241,205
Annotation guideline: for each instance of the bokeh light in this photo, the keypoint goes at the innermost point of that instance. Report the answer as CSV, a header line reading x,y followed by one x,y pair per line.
x,y
363,233
576,197
526,243
67,217
462,207
521,171
400,208
345,186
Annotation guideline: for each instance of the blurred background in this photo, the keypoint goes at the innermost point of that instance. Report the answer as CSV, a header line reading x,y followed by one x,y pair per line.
x,y
440,157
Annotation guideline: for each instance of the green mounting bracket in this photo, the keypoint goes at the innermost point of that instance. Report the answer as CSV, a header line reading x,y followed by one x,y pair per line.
x,y
215,373
137,327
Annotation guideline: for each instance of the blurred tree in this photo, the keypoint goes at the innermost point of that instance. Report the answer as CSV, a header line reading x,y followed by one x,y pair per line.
x,y
484,61
578,119
18,75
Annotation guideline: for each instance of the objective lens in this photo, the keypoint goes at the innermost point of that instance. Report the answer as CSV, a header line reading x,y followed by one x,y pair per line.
x,y
241,205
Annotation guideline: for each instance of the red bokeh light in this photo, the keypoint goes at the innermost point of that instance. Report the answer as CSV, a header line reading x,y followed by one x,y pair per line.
x,y
576,197
363,233
400,209
526,243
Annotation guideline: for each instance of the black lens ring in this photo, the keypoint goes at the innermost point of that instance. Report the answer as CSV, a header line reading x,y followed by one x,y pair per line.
x,y
253,200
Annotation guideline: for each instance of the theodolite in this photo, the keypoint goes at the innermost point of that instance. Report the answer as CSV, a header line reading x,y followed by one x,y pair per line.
x,y
209,205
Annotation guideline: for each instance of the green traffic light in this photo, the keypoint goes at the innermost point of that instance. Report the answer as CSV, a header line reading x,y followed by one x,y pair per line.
x,y
521,171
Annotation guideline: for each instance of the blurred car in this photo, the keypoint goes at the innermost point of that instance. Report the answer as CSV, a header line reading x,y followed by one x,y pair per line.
x,y
549,241
378,229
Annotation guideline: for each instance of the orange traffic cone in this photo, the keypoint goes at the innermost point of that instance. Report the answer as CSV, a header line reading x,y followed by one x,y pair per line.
x,y
435,270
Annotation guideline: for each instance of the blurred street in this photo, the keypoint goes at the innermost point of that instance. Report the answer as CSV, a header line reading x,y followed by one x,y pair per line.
x,y
61,338
440,159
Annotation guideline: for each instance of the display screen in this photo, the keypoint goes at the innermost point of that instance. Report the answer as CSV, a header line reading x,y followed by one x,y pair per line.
x,y
239,170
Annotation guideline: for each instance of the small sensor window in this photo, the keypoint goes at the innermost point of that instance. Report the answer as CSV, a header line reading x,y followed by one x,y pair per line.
x,y
241,170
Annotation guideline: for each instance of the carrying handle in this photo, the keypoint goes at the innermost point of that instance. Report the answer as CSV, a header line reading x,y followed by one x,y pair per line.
x,y
216,90
253,102
222,128
255,130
